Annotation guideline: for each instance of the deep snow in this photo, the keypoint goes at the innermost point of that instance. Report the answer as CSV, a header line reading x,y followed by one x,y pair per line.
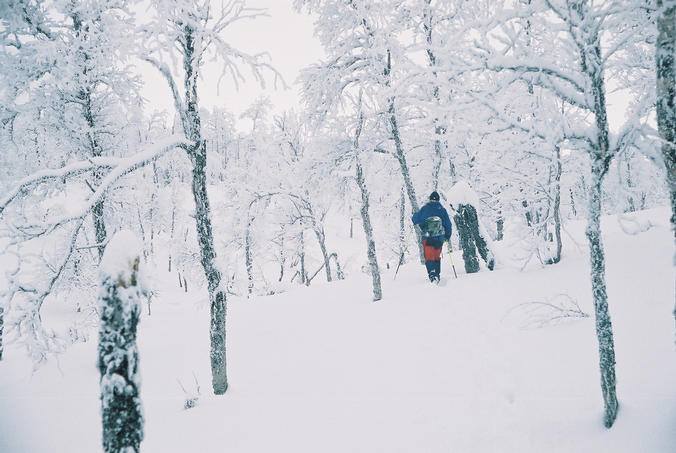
x,y
455,368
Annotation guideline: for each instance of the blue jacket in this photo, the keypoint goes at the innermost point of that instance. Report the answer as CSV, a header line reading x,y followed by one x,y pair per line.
x,y
434,208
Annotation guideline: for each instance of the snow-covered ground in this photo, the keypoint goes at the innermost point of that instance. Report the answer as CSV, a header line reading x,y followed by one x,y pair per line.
x,y
470,366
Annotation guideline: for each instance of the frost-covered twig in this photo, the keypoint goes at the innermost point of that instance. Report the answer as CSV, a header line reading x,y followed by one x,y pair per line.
x,y
632,225
554,310
34,277
191,398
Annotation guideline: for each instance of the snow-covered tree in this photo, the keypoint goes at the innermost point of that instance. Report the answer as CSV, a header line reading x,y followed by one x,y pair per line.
x,y
187,33
665,47
363,54
68,96
120,294
575,72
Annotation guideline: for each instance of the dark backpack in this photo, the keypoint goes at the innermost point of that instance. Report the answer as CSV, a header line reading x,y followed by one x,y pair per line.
x,y
433,226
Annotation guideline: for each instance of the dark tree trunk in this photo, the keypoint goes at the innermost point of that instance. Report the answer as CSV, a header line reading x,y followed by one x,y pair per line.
x,y
339,271
557,208
248,259
303,271
600,161
471,239
666,94
408,184
173,224
402,227
2,322
366,218
217,296
99,224
527,213
85,97
604,328
95,150
401,158
631,204
467,245
439,131
321,239
500,227
205,239
282,255
120,310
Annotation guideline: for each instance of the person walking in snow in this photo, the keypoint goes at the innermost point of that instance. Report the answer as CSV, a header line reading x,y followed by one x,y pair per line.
x,y
436,228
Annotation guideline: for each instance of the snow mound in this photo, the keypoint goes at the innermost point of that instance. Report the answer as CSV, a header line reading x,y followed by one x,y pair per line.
x,y
121,256
462,193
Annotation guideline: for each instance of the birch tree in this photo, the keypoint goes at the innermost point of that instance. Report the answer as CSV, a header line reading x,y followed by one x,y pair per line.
x,y
578,79
188,33
57,110
364,53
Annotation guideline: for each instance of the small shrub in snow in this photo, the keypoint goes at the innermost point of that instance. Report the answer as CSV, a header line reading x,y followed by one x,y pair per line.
x,y
191,398
554,310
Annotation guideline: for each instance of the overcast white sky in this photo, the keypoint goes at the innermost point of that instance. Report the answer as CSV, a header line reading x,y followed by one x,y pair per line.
x,y
285,34
289,39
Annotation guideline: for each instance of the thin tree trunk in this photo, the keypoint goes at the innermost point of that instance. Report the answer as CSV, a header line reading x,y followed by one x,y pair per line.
x,y
439,131
365,216
2,322
401,158
402,226
557,208
99,223
500,227
205,239
321,238
368,231
631,204
85,96
282,254
604,329
600,161
303,272
173,223
248,260
152,225
95,149
217,296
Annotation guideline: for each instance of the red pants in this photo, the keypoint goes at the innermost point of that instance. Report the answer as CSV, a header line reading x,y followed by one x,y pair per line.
x,y
431,253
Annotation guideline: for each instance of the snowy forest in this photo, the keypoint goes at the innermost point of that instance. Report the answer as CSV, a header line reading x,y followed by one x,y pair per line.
x,y
141,245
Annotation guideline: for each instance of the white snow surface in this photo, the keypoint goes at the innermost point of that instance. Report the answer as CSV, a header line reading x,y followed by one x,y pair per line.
x,y
462,193
120,253
457,368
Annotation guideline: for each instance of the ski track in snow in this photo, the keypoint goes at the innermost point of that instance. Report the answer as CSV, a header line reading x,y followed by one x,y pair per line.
x,y
429,368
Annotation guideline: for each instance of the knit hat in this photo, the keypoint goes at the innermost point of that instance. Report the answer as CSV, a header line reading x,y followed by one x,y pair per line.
x,y
434,196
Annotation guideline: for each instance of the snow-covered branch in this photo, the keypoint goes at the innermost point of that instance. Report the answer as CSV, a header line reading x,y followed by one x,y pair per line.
x,y
118,167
